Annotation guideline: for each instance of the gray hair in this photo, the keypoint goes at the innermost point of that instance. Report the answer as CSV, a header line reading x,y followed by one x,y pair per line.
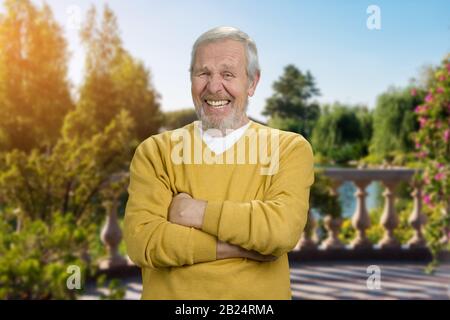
x,y
230,33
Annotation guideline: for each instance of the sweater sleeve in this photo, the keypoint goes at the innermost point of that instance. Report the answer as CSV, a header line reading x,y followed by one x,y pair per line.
x,y
150,239
272,225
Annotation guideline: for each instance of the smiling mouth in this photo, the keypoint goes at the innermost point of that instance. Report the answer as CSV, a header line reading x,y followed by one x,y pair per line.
x,y
217,104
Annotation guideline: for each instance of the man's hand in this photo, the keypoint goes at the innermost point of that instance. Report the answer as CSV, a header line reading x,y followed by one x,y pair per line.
x,y
187,211
226,251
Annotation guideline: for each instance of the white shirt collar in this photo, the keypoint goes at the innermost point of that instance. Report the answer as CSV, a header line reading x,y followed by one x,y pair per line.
x,y
221,144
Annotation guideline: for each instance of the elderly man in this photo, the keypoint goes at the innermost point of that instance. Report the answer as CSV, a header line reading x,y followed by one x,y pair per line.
x,y
204,228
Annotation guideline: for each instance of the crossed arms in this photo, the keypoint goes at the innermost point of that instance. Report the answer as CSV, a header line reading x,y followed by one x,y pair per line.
x,y
187,211
161,230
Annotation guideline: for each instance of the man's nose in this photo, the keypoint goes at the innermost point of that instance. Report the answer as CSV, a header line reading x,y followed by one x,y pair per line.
x,y
215,83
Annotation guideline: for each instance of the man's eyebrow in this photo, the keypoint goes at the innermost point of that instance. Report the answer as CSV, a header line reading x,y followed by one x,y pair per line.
x,y
198,69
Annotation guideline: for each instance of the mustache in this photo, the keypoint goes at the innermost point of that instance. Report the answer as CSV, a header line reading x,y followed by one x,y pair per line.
x,y
211,97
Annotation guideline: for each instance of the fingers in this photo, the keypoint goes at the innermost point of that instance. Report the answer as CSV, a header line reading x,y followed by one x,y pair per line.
x,y
183,195
254,255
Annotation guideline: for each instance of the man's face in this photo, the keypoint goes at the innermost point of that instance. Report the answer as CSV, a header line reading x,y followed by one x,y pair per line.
x,y
220,84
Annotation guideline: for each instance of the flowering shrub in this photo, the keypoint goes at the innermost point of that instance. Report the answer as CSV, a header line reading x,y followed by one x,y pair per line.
x,y
433,147
432,139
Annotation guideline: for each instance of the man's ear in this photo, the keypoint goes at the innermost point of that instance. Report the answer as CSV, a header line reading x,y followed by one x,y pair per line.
x,y
253,84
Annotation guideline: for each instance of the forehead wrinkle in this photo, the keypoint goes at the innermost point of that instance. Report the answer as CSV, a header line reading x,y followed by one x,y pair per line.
x,y
226,66
217,55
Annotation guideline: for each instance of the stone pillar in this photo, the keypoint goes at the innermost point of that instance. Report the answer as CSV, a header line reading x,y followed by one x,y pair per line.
x,y
389,219
417,219
361,219
333,225
111,236
306,242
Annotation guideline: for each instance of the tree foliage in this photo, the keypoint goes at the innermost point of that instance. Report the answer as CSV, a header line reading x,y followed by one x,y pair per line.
x,y
69,178
113,81
34,90
394,123
342,133
34,261
290,107
179,118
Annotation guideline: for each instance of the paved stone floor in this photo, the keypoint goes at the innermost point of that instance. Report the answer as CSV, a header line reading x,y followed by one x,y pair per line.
x,y
336,281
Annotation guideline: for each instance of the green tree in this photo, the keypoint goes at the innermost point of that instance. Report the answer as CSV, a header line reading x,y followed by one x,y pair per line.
x,y
179,118
68,179
342,133
34,90
113,81
394,123
290,107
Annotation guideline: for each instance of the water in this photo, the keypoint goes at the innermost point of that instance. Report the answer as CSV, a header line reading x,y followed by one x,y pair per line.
x,y
347,197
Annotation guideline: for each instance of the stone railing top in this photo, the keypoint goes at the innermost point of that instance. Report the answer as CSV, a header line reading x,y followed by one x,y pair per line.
x,y
381,174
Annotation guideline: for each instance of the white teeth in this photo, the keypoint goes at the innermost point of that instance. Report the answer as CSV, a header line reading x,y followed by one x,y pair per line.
x,y
217,103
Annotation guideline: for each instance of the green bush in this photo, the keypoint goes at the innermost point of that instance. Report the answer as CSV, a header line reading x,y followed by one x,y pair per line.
x,y
34,259
322,199
375,232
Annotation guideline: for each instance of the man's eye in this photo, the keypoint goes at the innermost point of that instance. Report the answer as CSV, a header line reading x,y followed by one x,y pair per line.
x,y
228,75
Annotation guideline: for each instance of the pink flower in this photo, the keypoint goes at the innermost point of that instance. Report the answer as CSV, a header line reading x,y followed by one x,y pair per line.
x,y
427,199
413,92
447,135
448,67
440,90
420,109
439,176
442,78
429,97
440,165
418,145
422,121
422,154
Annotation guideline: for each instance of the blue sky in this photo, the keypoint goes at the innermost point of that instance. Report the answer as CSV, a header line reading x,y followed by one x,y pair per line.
x,y
351,63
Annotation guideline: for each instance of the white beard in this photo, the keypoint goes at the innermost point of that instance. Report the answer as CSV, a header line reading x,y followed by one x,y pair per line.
x,y
232,121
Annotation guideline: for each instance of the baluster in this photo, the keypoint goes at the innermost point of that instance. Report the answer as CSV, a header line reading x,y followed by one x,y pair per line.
x,y
333,225
417,219
361,219
111,236
306,242
389,219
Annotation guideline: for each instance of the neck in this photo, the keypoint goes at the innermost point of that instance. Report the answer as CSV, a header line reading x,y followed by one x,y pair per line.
x,y
222,132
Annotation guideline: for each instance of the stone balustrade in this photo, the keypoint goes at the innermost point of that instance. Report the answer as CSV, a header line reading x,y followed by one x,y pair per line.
x,y
332,248
388,247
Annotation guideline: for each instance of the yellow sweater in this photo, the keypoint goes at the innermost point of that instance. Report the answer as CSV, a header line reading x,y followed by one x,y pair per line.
x,y
262,212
